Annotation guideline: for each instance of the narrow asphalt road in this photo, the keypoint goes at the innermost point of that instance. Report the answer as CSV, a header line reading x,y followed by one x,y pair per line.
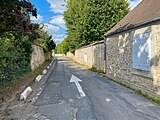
x,y
61,98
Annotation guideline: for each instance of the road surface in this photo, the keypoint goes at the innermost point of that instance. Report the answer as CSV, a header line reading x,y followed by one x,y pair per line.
x,y
71,92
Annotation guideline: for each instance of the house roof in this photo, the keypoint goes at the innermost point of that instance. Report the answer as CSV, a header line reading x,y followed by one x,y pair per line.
x,y
145,12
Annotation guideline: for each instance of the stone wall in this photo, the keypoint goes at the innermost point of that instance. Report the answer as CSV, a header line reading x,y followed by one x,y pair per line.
x,y
140,77
119,58
98,57
48,55
38,57
157,54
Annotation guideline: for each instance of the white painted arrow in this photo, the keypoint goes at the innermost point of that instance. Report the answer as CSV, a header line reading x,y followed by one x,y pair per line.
x,y
76,81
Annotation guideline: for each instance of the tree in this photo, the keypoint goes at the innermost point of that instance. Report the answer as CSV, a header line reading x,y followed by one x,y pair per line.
x,y
51,45
14,15
88,20
63,47
44,40
16,33
15,54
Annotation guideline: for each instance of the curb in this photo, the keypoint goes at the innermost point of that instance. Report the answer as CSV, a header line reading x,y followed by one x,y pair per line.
x,y
24,95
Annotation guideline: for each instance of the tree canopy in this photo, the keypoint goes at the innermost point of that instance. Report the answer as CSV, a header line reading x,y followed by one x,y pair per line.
x,y
88,20
44,40
14,15
63,47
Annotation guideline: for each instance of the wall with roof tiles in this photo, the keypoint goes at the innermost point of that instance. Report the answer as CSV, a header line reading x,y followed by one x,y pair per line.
x,y
119,62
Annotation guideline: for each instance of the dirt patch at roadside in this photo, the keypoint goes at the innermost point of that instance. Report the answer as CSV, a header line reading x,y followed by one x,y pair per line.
x,y
7,94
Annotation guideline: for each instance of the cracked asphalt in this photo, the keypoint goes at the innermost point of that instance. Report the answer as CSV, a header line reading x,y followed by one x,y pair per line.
x,y
56,98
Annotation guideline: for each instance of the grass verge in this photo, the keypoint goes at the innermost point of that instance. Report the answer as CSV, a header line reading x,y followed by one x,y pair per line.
x,y
93,69
154,99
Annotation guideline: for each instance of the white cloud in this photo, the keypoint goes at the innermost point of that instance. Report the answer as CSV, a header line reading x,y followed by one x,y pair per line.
x,y
134,3
51,29
57,6
54,31
58,20
58,38
39,19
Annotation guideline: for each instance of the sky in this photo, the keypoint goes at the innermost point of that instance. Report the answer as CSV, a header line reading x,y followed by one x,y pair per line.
x,y
50,13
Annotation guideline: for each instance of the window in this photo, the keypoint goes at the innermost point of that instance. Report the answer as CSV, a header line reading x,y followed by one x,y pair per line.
x,y
141,51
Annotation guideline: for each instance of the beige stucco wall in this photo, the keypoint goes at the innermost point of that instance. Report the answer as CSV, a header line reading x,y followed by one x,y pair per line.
x,y
90,56
38,57
119,58
85,56
71,56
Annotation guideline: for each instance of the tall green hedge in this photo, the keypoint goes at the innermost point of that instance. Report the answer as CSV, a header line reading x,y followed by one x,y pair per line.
x,y
15,54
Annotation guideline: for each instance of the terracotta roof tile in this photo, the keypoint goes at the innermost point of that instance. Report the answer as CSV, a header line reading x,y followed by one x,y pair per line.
x,y
146,10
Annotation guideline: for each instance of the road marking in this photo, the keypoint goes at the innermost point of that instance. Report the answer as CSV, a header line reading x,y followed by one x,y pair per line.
x,y
108,100
76,80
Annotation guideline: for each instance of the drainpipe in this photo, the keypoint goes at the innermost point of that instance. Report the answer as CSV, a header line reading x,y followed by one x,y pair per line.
x,y
105,55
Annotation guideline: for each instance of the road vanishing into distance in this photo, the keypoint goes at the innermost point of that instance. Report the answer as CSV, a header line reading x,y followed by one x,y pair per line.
x,y
71,92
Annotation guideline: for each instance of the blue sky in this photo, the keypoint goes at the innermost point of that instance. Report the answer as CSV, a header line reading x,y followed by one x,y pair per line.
x,y
50,13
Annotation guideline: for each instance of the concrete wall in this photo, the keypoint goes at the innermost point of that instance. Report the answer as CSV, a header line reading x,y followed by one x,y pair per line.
x,y
71,56
38,57
90,56
85,56
119,62
60,55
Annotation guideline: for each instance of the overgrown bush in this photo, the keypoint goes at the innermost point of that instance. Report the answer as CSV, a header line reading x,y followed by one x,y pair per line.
x,y
45,41
15,54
